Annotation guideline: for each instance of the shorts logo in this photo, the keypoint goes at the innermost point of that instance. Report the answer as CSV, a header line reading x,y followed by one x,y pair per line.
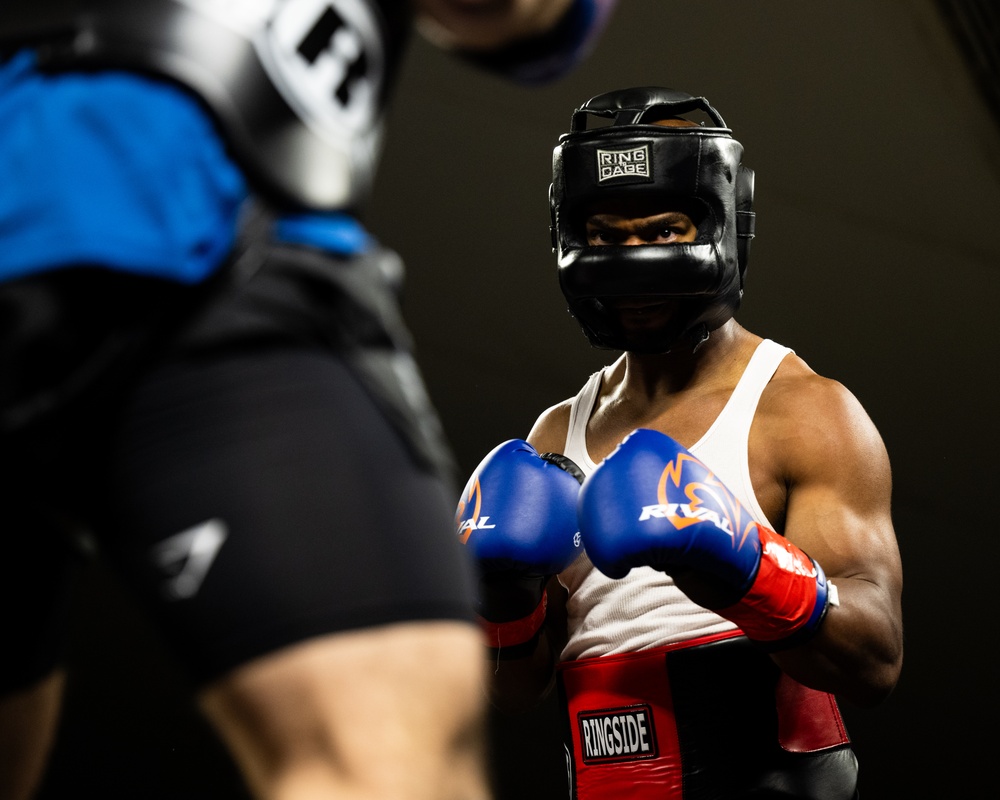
x,y
617,734
628,165
187,556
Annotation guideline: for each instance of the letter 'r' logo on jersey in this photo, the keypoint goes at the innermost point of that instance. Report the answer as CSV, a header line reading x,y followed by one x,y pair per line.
x,y
326,57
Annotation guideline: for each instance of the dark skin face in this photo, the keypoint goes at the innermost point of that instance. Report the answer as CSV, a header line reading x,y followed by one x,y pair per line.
x,y
621,222
622,226
636,221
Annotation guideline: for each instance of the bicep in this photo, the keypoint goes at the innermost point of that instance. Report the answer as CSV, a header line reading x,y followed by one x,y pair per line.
x,y
839,492
838,512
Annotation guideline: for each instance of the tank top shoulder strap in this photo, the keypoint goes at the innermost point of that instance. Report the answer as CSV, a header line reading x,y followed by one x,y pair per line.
x,y
579,414
758,373
724,447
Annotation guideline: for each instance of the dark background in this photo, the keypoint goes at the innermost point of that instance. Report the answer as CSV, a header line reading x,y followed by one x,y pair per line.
x,y
877,155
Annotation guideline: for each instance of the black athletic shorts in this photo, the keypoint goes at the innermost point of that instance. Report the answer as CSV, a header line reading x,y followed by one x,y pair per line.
x,y
261,468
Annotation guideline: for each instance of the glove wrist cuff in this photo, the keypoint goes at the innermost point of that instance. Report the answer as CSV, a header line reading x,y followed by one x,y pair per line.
x,y
788,599
515,632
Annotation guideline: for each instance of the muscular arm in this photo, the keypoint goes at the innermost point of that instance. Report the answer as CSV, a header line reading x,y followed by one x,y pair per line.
x,y
486,24
519,684
838,511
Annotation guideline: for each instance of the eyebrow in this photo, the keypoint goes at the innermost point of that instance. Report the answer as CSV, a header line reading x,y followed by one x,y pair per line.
x,y
651,220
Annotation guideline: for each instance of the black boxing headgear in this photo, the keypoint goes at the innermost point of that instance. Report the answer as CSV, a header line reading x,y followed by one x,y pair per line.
x,y
697,170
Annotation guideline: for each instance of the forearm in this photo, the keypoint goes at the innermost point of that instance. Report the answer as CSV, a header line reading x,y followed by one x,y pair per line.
x,y
522,683
857,653
517,685
487,24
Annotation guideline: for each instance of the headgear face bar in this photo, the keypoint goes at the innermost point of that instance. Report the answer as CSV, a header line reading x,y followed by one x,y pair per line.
x,y
695,169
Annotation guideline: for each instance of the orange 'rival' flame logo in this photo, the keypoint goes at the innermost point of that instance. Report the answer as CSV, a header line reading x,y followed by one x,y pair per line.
x,y
467,526
709,492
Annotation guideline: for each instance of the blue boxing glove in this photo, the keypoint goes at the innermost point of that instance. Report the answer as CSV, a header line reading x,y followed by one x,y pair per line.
x,y
518,514
653,503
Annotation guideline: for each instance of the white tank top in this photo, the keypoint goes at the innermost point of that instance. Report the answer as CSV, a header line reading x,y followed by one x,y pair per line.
x,y
644,609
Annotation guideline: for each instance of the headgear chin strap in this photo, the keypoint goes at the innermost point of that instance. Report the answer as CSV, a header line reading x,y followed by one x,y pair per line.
x,y
694,169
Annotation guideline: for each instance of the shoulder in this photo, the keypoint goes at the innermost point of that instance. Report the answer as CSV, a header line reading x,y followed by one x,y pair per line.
x,y
548,434
797,391
808,418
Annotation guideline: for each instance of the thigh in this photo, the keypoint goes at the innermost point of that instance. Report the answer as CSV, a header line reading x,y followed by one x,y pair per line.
x,y
393,711
261,499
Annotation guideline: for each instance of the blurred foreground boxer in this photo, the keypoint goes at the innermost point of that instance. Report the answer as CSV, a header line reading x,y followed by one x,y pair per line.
x,y
205,371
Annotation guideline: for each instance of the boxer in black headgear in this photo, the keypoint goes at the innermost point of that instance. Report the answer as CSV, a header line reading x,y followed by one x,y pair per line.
x,y
206,378
638,155
697,548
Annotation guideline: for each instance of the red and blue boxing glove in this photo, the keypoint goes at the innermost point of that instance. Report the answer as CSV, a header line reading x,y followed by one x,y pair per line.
x,y
518,514
653,503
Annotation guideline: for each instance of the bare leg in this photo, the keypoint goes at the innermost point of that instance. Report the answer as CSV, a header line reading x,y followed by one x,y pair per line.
x,y
29,720
392,712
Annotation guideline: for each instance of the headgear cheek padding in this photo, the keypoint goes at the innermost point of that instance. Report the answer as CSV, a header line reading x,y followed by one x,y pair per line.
x,y
697,170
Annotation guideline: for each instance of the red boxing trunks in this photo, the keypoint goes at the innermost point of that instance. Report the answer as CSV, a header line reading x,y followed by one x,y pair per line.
x,y
713,718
